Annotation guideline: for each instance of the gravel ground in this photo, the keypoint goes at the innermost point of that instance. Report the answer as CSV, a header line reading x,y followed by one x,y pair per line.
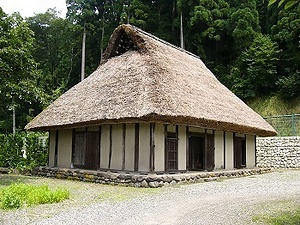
x,y
230,201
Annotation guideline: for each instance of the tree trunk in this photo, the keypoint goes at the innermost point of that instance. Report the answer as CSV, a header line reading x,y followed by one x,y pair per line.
x,y
181,32
14,120
83,53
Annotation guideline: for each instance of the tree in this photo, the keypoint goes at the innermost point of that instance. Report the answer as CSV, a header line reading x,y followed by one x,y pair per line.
x,y
54,51
18,88
287,3
255,73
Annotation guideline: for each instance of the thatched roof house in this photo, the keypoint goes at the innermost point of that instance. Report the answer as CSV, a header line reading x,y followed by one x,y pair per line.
x,y
145,80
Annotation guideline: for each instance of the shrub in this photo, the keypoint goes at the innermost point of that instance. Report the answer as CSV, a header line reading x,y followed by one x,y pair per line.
x,y
17,195
13,147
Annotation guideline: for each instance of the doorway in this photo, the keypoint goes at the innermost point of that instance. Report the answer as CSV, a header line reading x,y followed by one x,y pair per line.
x,y
196,152
86,150
201,152
239,152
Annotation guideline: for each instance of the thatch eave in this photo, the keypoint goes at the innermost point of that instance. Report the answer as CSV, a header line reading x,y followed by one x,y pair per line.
x,y
174,120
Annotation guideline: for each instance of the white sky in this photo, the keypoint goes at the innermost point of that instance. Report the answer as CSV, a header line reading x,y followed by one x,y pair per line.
x,y
28,7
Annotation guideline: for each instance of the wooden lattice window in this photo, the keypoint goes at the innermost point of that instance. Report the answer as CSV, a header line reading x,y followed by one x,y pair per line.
x,y
171,152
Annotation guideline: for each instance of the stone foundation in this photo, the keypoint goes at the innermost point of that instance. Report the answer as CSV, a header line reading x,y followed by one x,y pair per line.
x,y
278,152
137,180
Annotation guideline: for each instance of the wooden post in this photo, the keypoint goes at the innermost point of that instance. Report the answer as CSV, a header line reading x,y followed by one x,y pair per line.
x,y
187,149
56,148
224,143
166,148
100,133
136,147
110,146
123,146
152,147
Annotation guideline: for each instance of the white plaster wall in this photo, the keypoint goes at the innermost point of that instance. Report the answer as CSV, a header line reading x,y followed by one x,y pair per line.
x,y
229,154
171,128
182,148
144,147
104,147
64,148
117,154
219,150
129,147
159,141
52,136
250,151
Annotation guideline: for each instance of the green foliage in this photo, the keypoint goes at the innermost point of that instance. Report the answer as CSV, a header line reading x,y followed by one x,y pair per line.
x,y
289,86
256,72
22,151
287,3
18,194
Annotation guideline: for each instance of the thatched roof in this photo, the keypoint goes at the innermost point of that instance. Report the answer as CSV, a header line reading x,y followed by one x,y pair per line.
x,y
144,79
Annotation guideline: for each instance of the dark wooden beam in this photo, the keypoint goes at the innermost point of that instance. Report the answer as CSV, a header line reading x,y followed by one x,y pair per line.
x,y
136,147
255,153
187,149
73,148
56,148
205,149
110,146
100,134
123,146
224,143
152,148
166,148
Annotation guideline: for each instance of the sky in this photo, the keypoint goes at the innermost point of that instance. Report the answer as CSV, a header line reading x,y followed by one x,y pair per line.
x,y
28,7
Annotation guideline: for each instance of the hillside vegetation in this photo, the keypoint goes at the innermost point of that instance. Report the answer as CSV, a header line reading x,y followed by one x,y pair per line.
x,y
274,105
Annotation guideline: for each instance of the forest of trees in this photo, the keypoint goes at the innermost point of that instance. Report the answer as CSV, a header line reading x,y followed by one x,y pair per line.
x,y
252,46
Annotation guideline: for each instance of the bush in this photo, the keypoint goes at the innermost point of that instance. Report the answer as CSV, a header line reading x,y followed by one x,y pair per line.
x,y
22,151
17,195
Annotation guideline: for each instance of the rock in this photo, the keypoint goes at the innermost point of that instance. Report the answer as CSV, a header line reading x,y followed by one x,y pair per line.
x,y
144,184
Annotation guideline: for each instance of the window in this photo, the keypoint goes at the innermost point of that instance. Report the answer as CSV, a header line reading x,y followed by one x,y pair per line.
x,y
171,152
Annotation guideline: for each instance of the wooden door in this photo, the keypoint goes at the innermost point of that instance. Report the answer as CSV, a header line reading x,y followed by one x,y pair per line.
x,y
196,152
209,152
79,149
92,152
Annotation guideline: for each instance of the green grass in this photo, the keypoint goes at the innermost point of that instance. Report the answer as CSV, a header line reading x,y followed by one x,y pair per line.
x,y
274,105
17,195
279,213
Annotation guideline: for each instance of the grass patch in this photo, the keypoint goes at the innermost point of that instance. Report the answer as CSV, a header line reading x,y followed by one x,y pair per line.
x,y
82,194
279,213
274,105
17,195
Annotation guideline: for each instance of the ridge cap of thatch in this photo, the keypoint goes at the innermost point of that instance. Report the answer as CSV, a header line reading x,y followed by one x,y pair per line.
x,y
134,33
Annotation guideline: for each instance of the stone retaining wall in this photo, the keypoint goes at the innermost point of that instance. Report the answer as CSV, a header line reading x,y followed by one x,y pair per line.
x,y
278,152
137,180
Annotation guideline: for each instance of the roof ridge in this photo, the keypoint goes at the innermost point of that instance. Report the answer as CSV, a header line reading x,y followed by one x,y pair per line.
x,y
162,41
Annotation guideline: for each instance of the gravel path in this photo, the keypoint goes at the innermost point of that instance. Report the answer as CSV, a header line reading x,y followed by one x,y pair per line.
x,y
230,201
